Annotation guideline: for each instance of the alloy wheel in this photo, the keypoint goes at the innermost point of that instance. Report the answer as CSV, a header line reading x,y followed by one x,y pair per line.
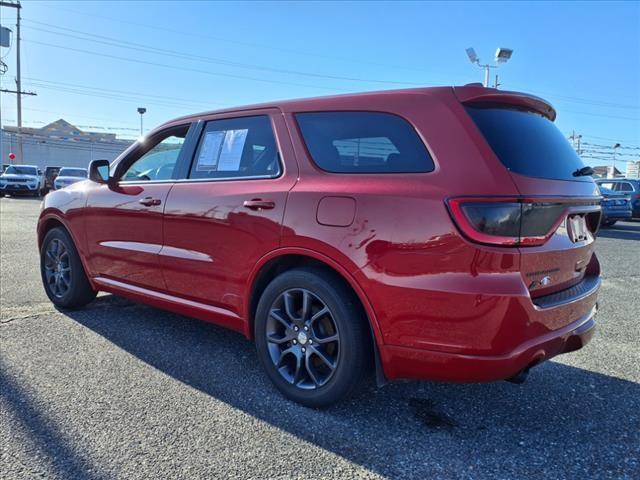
x,y
57,268
303,339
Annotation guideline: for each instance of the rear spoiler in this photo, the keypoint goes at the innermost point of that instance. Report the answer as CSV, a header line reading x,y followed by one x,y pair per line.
x,y
470,95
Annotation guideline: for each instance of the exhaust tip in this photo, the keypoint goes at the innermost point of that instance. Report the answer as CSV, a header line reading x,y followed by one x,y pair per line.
x,y
519,377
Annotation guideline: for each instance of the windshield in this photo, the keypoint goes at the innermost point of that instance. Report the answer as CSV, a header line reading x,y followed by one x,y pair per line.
x,y
73,172
528,143
18,170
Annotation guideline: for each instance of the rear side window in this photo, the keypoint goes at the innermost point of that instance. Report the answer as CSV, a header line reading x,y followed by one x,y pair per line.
x,y
241,147
624,187
363,142
528,143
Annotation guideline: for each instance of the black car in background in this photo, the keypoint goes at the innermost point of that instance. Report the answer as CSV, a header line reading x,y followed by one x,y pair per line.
x,y
615,206
625,186
50,174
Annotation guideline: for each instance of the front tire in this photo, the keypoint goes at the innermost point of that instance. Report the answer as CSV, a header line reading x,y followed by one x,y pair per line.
x,y
312,337
63,276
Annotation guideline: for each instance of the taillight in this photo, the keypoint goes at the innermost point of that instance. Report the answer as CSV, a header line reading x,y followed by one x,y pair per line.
x,y
506,222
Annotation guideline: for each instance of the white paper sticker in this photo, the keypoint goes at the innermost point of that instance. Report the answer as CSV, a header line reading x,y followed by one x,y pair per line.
x,y
210,151
231,152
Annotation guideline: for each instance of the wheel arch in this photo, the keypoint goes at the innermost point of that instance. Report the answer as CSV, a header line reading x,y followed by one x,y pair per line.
x,y
51,220
49,223
282,260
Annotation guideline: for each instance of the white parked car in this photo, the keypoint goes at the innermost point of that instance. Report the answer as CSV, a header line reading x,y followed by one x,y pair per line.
x,y
22,179
68,176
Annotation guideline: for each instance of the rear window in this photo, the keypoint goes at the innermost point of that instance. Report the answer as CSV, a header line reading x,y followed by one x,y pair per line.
x,y
528,143
363,142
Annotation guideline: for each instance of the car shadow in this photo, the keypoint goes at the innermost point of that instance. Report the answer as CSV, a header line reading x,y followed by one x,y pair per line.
x,y
23,197
563,419
621,231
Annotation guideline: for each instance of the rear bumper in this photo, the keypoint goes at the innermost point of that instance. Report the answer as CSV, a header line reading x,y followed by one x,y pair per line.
x,y
403,362
615,215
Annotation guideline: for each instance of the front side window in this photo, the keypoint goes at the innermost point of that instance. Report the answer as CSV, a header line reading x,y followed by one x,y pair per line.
x,y
242,147
158,161
363,142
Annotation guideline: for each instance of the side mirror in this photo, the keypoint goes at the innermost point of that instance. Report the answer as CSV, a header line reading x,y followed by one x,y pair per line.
x,y
99,171
39,172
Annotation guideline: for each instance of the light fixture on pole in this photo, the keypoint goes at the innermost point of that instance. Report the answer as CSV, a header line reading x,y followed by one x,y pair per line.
x,y
502,56
141,111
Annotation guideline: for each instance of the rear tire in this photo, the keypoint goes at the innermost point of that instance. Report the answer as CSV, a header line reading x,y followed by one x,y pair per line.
x,y
312,337
63,276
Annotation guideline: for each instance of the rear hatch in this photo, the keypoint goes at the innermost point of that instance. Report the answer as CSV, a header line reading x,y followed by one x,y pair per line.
x,y
559,213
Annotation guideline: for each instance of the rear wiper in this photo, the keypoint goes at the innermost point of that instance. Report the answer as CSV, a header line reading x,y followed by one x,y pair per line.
x,y
583,172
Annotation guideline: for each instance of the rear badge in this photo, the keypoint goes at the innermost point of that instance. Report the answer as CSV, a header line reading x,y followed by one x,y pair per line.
x,y
543,282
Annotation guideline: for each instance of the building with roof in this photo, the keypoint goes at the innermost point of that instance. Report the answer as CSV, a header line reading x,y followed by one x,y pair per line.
x,y
633,169
59,143
606,171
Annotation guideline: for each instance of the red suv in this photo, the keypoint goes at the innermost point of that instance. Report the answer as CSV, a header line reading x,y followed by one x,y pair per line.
x,y
436,233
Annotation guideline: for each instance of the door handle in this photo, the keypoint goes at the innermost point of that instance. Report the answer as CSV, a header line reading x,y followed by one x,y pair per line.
x,y
149,201
259,204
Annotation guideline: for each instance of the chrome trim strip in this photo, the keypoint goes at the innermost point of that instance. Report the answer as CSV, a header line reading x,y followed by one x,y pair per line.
x,y
114,284
139,247
184,254
199,180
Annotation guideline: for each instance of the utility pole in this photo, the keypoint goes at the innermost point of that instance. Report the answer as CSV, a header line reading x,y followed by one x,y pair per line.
x,y
573,139
615,148
19,78
19,92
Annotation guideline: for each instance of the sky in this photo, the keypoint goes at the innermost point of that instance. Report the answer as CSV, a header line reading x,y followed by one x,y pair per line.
x,y
94,63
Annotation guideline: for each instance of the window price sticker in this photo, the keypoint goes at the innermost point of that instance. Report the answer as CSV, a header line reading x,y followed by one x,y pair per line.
x,y
222,150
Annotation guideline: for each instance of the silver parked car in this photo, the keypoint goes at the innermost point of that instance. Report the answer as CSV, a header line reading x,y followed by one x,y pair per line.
x,y
68,176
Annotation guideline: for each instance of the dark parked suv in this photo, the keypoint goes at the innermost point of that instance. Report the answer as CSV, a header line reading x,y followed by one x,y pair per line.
x,y
437,233
626,186
50,175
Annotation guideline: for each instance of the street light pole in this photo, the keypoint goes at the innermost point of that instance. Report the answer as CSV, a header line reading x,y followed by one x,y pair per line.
x,y
141,111
502,56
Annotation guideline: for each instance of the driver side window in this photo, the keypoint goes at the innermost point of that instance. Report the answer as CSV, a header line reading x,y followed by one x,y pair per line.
x,y
159,161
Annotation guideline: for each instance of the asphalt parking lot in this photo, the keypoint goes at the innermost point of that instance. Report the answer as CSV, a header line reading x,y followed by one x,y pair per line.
x,y
119,390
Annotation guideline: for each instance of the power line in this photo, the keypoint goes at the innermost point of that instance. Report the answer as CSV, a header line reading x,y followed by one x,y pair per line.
x,y
218,61
112,97
125,92
154,50
635,119
182,68
253,45
205,72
